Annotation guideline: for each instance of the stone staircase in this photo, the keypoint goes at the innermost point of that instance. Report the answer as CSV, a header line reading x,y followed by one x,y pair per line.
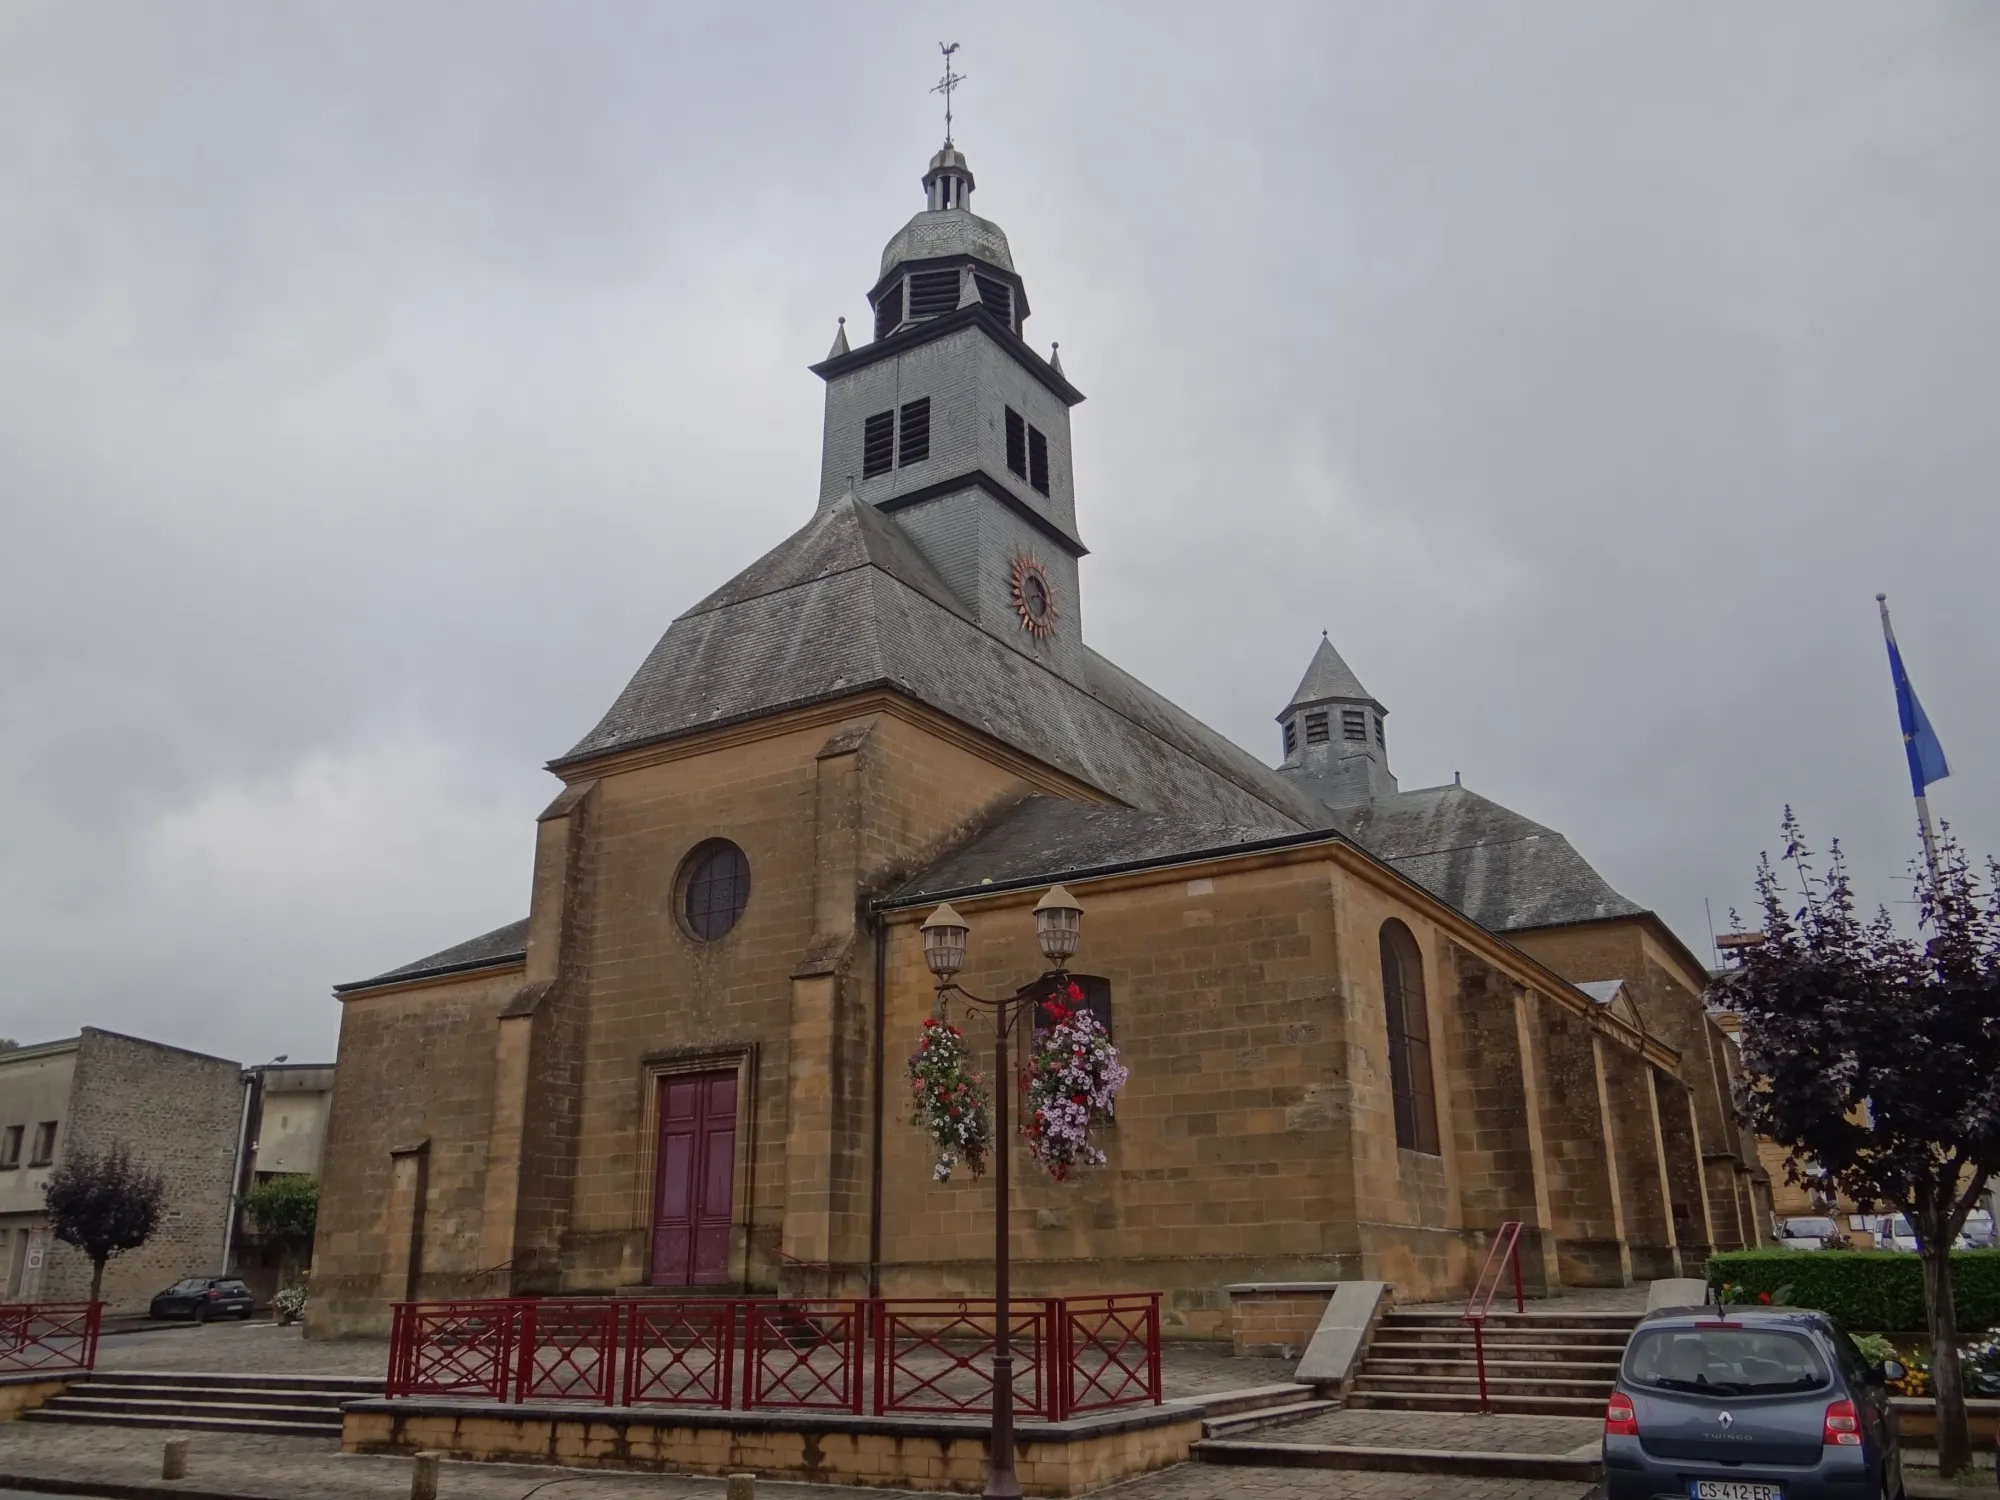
x,y
290,1405
1236,1412
1537,1363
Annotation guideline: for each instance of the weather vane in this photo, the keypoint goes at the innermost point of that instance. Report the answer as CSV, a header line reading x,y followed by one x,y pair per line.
x,y
946,84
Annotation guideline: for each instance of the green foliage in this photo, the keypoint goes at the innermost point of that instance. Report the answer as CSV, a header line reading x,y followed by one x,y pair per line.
x,y
284,1210
1874,1289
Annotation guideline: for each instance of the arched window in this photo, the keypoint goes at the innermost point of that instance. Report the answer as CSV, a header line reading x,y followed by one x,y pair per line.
x,y
1409,1040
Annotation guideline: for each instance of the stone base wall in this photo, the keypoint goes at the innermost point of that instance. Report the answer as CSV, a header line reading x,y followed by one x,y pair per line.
x,y
891,1453
1275,1319
19,1393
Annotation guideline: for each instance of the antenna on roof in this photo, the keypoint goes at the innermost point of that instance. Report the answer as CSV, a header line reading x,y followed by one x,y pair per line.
x,y
946,84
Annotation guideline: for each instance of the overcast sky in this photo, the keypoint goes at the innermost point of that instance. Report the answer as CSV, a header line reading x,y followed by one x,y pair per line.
x,y
378,380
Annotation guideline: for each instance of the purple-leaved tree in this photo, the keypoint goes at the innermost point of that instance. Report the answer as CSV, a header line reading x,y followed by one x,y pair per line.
x,y
103,1205
1875,1056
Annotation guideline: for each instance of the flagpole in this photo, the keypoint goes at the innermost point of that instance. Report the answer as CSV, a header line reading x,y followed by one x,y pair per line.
x,y
1923,802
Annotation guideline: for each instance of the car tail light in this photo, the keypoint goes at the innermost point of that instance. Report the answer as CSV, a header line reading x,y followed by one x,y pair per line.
x,y
1843,1426
1620,1420
213,1294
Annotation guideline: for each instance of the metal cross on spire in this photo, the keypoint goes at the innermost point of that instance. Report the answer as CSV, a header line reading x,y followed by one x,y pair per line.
x,y
946,84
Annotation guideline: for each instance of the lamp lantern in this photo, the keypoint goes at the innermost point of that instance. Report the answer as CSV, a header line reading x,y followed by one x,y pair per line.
x,y
944,941
1058,925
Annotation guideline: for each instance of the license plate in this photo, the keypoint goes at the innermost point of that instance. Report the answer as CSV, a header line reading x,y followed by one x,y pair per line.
x,y
1733,1489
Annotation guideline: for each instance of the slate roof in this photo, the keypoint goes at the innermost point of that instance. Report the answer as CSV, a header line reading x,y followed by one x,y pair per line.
x,y
1327,676
500,945
1048,838
938,232
1504,871
848,603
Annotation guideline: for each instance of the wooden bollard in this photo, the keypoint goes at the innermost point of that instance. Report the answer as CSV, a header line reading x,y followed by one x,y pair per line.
x,y
742,1487
174,1461
424,1477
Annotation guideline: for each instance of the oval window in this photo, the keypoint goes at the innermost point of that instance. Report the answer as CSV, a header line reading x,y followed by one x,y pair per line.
x,y
715,887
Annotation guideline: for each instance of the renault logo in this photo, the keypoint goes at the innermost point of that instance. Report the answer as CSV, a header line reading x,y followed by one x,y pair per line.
x,y
1726,1420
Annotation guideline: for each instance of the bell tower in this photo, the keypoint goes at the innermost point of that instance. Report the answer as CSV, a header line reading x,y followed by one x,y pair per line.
x,y
948,421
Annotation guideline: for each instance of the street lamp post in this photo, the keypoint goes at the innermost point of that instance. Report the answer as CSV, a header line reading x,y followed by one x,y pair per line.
x,y
1058,925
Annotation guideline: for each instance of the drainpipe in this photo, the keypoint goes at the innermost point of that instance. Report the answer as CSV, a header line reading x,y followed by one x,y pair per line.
x,y
875,1168
251,1078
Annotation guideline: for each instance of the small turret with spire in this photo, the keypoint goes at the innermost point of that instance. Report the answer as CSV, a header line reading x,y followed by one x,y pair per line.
x,y
1335,743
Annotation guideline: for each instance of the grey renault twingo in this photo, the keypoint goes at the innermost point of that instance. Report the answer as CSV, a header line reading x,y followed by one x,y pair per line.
x,y
1742,1403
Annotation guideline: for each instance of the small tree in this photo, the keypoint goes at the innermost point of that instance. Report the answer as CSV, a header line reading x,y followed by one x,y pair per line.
x,y
1877,1057
284,1212
103,1205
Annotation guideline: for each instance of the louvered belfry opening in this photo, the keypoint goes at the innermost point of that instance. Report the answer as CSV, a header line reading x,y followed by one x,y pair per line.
x,y
1316,730
996,297
913,444
1017,443
1038,460
933,293
1354,724
889,311
878,444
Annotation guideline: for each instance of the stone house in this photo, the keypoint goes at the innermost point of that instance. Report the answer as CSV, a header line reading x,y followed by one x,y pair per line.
x,y
179,1113
1365,1026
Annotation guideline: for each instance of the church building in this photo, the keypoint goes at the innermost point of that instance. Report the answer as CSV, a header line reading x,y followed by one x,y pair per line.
x,y
1365,1026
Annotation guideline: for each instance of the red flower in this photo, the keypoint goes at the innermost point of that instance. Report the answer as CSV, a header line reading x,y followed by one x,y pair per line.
x,y
1764,1297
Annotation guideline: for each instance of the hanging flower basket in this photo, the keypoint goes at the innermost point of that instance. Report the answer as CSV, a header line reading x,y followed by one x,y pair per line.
x,y
949,1100
1072,1078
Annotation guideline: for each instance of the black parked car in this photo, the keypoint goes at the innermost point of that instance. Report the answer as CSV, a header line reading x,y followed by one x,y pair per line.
x,y
1740,1403
201,1297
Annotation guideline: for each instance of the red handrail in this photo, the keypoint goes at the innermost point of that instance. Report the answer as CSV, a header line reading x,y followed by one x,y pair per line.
x,y
1506,1248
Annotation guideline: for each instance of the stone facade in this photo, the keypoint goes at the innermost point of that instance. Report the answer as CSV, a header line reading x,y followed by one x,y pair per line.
x,y
181,1115
864,717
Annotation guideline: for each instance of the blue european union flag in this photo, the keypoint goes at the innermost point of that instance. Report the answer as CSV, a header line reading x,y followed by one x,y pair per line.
x,y
1920,741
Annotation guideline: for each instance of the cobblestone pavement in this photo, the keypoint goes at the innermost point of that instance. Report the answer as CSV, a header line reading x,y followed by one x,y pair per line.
x,y
1187,1369
275,1468
1430,1429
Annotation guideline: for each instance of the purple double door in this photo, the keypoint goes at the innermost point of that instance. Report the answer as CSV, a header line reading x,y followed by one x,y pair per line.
x,y
694,1186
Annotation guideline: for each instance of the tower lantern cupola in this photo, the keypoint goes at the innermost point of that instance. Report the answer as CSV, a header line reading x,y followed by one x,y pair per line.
x,y
948,183
1336,745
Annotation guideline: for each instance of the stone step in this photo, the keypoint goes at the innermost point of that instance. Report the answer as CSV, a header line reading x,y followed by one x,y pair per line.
x,y
1533,1406
348,1386
1266,1416
184,1423
203,1395
325,1418
1501,1369
1463,1349
1584,1469
1253,1398
1471,1383
1511,1319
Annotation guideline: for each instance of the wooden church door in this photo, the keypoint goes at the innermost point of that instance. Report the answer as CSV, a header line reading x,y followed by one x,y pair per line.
x,y
695,1180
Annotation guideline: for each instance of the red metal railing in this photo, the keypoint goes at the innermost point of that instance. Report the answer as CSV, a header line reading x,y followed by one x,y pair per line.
x,y
931,1355
52,1338
1505,1251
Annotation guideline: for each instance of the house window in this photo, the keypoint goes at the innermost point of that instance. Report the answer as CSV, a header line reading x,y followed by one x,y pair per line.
x,y
914,444
1096,1000
1409,1040
889,311
1291,736
1038,460
1017,443
1354,724
878,444
1316,730
45,1144
933,293
715,887
10,1146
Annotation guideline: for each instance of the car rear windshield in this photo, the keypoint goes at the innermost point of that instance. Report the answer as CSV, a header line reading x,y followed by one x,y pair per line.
x,y
1725,1360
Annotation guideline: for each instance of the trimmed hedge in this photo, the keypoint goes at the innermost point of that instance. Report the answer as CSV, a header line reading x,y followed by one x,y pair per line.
x,y
1878,1290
